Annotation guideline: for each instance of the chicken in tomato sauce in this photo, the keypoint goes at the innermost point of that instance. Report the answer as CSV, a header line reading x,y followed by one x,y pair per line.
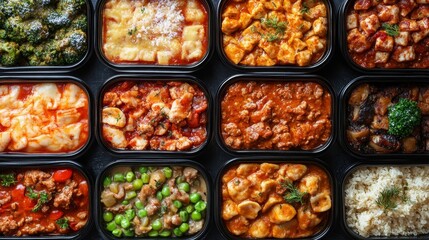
x,y
43,202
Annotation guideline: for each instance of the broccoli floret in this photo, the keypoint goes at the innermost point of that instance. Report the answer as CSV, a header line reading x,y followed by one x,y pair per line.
x,y
9,53
22,8
57,20
36,32
76,46
403,117
2,34
71,7
15,29
80,23
26,49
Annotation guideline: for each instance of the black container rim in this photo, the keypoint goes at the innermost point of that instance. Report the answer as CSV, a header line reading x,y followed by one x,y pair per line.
x,y
148,68
12,79
343,46
342,117
323,61
60,68
52,165
263,78
356,166
275,160
152,78
154,162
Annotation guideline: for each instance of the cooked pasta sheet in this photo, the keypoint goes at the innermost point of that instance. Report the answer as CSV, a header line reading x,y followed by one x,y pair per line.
x,y
165,32
43,117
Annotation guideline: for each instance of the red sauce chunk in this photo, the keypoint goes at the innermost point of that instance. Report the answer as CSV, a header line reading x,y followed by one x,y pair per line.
x,y
154,115
388,34
34,202
276,115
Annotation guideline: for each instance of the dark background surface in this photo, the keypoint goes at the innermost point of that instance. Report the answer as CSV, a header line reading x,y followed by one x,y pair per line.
x,y
213,74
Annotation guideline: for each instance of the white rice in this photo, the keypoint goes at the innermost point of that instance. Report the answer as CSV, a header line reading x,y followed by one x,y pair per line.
x,y
366,218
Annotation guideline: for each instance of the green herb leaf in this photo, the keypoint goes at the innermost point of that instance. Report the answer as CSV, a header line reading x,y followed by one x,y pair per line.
x,y
7,179
391,29
143,9
304,8
132,31
293,195
390,196
63,223
43,198
31,194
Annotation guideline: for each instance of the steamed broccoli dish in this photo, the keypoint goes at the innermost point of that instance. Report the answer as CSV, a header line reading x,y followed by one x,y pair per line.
x,y
42,32
403,117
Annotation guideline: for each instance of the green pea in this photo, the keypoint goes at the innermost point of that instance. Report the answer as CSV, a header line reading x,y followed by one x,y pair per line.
x,y
184,227
143,170
189,209
117,232
129,232
177,232
125,202
107,181
165,233
184,216
118,218
145,178
130,214
142,213
107,216
168,172
200,206
196,216
139,204
159,196
137,184
118,177
177,203
165,191
125,223
195,197
111,226
153,233
129,176
157,225
130,195
180,179
184,186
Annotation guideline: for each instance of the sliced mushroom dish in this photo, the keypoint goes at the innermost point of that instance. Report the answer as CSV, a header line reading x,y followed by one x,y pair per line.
x,y
276,200
391,118
43,202
154,115
154,201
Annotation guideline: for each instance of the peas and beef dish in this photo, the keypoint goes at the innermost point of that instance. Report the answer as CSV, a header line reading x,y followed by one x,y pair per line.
x,y
389,33
152,115
154,201
43,202
276,115
275,200
388,119
43,32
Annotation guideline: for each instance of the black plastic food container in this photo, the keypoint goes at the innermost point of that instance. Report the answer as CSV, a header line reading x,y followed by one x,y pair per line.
x,y
61,68
52,79
274,160
342,34
127,67
53,165
155,163
346,175
385,81
264,78
152,78
330,40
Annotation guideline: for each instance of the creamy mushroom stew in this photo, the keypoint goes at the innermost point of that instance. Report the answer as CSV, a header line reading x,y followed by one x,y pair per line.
x,y
154,201
43,202
368,122
152,115
275,200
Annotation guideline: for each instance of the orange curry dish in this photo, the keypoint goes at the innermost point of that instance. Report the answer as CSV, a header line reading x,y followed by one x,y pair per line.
x,y
276,200
276,116
275,32
167,116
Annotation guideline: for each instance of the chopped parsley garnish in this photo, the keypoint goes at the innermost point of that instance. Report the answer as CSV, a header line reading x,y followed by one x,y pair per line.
x,y
63,223
7,179
118,118
132,31
31,193
43,198
293,195
391,29
390,196
143,9
278,26
304,8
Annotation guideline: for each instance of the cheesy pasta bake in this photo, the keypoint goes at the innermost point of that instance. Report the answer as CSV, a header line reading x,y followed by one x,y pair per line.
x,y
43,117
275,32
164,32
